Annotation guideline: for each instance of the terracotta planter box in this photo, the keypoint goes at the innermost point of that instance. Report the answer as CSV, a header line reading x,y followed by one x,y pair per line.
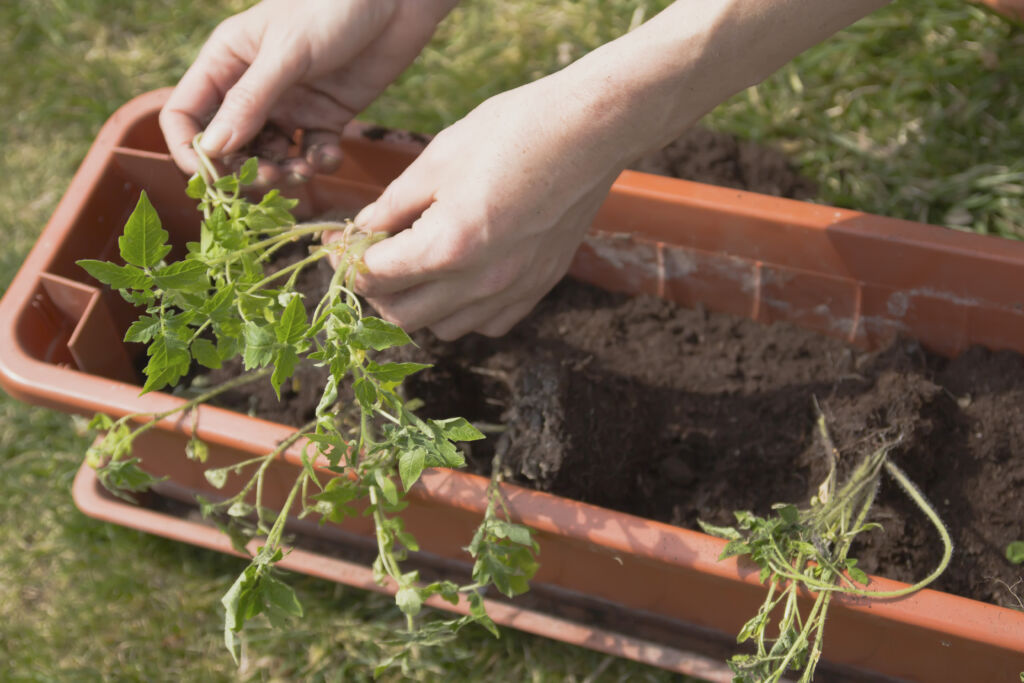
x,y
1010,8
608,581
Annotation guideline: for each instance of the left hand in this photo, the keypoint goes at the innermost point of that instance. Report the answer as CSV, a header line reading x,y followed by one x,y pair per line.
x,y
488,218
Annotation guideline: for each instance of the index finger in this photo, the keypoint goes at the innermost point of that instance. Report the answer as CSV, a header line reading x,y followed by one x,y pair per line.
x,y
197,95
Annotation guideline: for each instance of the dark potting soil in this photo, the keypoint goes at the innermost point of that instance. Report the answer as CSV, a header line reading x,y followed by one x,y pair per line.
x,y
678,415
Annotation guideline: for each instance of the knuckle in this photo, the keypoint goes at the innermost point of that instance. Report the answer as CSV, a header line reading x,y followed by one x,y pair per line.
x,y
226,31
241,98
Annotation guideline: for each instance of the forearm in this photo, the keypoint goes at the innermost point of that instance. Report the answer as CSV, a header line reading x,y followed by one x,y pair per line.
x,y
642,90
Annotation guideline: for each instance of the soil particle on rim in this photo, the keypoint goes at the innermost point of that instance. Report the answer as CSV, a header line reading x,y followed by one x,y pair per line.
x,y
678,414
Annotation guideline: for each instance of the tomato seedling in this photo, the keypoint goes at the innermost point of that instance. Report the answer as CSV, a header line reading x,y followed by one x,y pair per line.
x,y
221,301
809,549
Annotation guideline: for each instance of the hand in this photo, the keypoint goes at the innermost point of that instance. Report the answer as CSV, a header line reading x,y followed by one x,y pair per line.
x,y
495,208
310,65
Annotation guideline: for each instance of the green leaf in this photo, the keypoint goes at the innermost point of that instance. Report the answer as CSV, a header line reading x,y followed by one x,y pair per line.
x,y
116,277
734,548
205,352
144,242
726,532
221,302
386,486
479,614
394,372
377,334
100,421
280,597
196,187
410,466
120,476
197,450
409,601
240,509
143,330
858,575
365,393
458,429
187,276
292,326
1015,552
169,361
284,367
217,477
788,513
247,173
260,343
238,606
329,396
227,183
519,534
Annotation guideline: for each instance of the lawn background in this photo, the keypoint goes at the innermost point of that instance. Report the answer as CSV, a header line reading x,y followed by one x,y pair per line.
x,y
916,112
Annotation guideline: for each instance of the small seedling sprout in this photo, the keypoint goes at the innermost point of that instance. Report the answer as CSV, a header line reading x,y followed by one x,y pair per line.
x,y
808,549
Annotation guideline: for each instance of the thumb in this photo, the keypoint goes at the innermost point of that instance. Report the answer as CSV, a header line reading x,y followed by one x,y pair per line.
x,y
247,104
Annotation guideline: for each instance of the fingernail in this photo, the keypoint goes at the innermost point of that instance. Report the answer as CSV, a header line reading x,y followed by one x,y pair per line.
x,y
365,216
330,157
325,158
296,178
215,137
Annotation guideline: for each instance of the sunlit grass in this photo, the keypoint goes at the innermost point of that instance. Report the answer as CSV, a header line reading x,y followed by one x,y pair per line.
x,y
916,112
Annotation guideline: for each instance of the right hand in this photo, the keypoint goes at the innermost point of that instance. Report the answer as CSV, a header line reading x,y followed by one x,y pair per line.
x,y
310,65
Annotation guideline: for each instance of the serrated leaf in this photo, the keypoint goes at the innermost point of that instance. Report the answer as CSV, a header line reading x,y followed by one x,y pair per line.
x,y
377,334
365,393
394,372
169,361
219,303
292,326
726,532
143,330
116,277
459,429
284,367
280,596
227,183
144,242
205,352
247,173
734,548
187,276
196,187
410,466
519,534
260,343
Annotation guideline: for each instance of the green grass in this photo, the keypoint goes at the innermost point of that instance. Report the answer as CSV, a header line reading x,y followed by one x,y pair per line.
x,y
916,112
